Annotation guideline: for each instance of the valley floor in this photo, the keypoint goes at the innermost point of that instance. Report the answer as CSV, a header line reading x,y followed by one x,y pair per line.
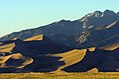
x,y
112,75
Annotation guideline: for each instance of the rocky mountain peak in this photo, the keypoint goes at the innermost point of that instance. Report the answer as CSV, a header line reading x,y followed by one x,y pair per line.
x,y
109,13
98,14
118,13
63,21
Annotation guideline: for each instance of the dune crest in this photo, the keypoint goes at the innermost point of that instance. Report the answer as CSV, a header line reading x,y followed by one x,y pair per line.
x,y
35,38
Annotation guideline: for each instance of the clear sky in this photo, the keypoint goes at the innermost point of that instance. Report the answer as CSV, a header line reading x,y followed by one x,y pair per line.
x,y
16,15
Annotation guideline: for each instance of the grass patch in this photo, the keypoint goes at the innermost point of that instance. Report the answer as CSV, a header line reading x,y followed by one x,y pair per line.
x,y
112,75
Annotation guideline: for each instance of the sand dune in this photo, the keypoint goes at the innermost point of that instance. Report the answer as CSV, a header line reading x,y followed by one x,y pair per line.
x,y
94,70
0,42
41,54
6,59
27,51
71,57
35,38
7,47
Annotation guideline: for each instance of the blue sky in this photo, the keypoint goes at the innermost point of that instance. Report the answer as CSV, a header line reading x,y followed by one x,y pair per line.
x,y
16,15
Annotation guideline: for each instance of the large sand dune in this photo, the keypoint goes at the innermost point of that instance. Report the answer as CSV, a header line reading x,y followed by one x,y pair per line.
x,y
41,54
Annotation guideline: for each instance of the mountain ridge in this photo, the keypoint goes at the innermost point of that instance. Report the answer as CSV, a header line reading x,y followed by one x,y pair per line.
x,y
71,27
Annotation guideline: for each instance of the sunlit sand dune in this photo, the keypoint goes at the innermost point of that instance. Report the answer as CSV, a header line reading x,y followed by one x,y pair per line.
x,y
35,38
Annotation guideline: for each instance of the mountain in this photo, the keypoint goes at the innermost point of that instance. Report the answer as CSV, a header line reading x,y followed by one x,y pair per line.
x,y
99,18
62,27
66,31
90,44
99,36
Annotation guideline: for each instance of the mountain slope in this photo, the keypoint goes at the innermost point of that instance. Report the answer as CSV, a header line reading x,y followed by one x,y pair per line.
x,y
99,36
99,18
65,31
61,27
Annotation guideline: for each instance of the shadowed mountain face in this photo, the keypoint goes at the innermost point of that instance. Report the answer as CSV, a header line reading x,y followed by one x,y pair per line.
x,y
66,32
99,36
63,28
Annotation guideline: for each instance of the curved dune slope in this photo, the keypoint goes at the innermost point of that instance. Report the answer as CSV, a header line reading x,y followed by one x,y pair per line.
x,y
37,37
41,54
32,52
7,47
71,57
21,61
